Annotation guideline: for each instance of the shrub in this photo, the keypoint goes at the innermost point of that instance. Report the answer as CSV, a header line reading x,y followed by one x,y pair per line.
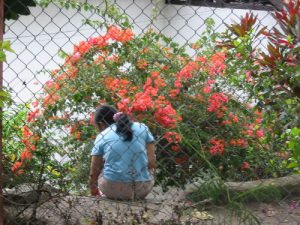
x,y
186,102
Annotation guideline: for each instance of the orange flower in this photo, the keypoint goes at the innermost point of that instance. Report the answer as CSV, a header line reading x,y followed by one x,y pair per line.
x,y
54,72
159,82
117,34
50,100
201,59
35,103
181,160
260,133
173,93
217,147
92,117
141,64
26,154
239,142
144,50
123,105
98,41
142,102
195,46
61,77
73,129
245,166
26,132
82,48
233,142
127,35
175,148
16,167
113,58
172,137
73,59
167,116
71,72
234,118
32,115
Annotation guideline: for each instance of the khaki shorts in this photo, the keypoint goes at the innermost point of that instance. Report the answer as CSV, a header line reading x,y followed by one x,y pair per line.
x,y
125,190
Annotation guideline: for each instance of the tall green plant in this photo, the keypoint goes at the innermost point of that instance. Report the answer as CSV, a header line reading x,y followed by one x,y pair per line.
x,y
269,79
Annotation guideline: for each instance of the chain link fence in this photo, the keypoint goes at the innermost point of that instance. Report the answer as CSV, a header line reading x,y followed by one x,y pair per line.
x,y
213,85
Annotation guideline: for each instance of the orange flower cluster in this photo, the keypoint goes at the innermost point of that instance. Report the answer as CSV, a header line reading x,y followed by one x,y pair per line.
x,y
217,64
167,116
120,87
217,103
254,129
232,119
245,166
172,137
217,147
29,140
142,102
114,33
141,64
153,84
186,72
32,115
50,99
239,143
117,34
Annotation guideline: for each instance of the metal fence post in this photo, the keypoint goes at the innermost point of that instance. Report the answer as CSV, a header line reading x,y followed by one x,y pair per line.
x,y
1,86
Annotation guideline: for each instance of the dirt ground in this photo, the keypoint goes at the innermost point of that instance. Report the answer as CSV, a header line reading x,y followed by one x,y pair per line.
x,y
161,208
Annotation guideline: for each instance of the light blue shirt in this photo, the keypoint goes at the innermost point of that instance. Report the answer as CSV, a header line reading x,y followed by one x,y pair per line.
x,y
124,160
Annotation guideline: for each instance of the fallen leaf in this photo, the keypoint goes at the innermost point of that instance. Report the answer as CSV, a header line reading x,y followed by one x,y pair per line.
x,y
201,215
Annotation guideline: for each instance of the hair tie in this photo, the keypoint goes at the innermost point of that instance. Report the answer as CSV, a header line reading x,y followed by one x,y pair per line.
x,y
117,116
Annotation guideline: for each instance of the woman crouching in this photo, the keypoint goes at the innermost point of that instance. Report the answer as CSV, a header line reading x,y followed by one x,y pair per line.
x,y
123,157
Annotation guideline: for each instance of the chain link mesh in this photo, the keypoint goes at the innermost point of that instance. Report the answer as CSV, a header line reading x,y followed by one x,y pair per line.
x,y
168,65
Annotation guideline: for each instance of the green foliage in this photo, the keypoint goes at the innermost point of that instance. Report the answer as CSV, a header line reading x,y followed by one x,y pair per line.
x,y
270,80
213,190
5,46
14,8
13,121
4,98
109,12
244,215
293,147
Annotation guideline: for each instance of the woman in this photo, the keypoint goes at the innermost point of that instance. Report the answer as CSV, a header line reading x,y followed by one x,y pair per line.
x,y
123,157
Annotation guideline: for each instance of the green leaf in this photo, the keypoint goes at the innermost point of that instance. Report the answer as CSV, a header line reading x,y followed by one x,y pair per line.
x,y
67,5
6,45
4,97
2,56
62,54
295,131
292,165
296,149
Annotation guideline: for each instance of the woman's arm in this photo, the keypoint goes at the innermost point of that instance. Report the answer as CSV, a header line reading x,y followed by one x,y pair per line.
x,y
95,170
151,156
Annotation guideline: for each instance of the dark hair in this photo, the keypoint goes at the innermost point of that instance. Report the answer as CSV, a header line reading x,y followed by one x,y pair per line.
x,y
124,127
105,113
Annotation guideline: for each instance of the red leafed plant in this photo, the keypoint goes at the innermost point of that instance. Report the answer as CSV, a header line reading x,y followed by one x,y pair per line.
x,y
283,54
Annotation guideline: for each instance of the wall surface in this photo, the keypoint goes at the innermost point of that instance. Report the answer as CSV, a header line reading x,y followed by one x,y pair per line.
x,y
38,38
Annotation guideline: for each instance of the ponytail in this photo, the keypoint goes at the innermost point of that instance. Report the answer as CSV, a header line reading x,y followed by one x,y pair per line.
x,y
109,115
124,126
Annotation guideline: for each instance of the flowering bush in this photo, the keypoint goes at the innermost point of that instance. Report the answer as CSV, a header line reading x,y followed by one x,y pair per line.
x,y
187,103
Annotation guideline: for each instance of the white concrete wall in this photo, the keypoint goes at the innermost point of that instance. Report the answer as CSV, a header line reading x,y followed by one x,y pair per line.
x,y
38,38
